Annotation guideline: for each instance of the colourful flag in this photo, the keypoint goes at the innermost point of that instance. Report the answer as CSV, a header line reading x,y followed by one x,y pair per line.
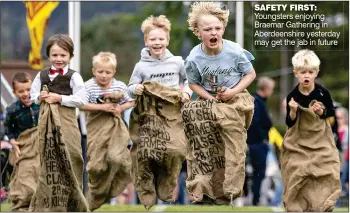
x,y
38,14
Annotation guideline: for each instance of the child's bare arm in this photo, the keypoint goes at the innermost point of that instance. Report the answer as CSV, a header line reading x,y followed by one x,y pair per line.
x,y
108,107
244,82
127,105
227,94
120,108
201,92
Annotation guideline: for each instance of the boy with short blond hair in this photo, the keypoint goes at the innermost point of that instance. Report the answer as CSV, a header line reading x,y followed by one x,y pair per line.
x,y
163,76
305,68
21,128
157,62
109,161
309,158
105,63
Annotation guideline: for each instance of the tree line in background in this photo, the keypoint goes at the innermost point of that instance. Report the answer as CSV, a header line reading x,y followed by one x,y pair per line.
x,y
120,33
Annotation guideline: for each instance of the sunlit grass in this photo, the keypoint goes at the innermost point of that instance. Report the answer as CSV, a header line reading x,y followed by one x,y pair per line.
x,y
179,208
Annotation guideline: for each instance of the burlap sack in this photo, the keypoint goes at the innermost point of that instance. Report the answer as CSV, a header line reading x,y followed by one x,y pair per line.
x,y
217,134
60,180
310,165
109,161
25,175
159,143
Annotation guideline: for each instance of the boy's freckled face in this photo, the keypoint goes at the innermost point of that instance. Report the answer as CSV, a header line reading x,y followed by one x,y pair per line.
x,y
59,57
306,77
104,74
210,30
22,92
157,41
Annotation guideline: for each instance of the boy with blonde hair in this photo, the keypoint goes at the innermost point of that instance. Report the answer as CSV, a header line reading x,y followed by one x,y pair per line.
x,y
109,161
159,77
309,158
104,66
219,71
157,62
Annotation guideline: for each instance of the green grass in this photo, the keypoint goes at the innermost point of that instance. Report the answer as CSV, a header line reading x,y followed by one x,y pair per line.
x,y
179,208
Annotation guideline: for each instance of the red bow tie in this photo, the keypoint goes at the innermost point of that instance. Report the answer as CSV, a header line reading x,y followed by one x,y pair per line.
x,y
59,71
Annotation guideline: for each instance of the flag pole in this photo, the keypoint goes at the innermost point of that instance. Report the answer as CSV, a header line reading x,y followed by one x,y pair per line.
x,y
74,22
74,32
240,23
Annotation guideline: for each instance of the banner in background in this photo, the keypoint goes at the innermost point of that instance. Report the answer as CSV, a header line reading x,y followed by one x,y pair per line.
x,y
38,14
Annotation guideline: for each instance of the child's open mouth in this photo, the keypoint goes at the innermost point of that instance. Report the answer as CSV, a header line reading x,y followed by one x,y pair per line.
x,y
157,48
26,100
213,41
306,81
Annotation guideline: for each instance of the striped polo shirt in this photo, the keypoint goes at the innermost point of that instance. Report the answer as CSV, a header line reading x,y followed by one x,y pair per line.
x,y
93,90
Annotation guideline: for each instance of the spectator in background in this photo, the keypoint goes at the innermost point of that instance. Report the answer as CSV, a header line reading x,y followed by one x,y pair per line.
x,y
343,132
257,134
341,115
274,136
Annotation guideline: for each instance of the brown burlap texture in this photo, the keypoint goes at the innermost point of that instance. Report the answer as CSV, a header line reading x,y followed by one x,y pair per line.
x,y
310,165
60,180
217,134
109,161
25,175
159,143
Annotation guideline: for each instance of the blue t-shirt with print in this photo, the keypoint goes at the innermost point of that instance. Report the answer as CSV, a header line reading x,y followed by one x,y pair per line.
x,y
225,69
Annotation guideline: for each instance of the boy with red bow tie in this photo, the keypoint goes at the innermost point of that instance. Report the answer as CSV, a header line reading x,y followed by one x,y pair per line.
x,y
66,86
66,91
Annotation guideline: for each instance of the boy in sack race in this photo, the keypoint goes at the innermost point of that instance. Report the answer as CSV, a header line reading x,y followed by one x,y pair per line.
x,y
59,90
109,161
156,130
21,127
218,71
309,158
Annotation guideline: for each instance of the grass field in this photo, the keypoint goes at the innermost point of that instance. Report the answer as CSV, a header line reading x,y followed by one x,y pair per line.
x,y
179,208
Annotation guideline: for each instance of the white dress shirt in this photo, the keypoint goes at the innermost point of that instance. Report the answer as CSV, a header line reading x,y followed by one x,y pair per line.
x,y
77,99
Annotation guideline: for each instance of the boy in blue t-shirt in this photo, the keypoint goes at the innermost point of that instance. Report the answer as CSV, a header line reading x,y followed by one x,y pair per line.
x,y
219,70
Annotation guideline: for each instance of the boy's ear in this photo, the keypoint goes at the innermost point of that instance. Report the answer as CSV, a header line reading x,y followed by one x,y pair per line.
x,y
196,32
295,73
